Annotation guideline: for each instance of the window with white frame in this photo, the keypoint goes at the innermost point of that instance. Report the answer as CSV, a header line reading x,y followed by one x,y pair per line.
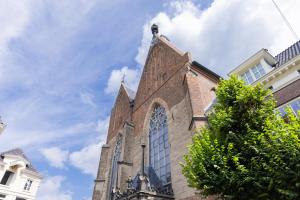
x,y
159,145
28,184
247,77
253,74
258,71
294,105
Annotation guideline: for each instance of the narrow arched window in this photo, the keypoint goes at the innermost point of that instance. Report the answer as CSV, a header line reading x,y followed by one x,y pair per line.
x,y
114,167
159,145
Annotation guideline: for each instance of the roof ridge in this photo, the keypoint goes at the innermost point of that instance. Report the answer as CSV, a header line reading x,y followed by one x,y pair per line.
x,y
17,149
166,40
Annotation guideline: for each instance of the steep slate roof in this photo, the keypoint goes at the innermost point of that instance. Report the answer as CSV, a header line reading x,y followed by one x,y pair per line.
x,y
18,152
288,54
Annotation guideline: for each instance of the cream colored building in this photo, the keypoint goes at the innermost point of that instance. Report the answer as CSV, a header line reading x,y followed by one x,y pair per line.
x,y
280,73
19,179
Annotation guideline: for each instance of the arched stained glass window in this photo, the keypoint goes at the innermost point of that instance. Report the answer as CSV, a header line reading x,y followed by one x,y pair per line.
x,y
114,166
159,145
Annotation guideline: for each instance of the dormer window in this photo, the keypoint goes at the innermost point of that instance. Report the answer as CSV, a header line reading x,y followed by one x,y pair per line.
x,y
253,74
28,184
247,77
258,71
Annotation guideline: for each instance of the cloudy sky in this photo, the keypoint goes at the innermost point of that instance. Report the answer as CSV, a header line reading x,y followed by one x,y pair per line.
x,y
61,63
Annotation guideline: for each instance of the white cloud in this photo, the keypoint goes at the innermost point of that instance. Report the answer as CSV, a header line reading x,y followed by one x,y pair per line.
x,y
14,17
56,156
51,188
102,126
87,159
87,98
226,33
38,84
43,137
116,76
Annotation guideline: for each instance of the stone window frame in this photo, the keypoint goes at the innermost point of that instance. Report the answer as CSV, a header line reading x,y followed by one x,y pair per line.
x,y
159,147
114,164
254,73
145,136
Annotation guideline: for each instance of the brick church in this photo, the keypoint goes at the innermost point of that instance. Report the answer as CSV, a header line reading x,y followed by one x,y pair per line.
x,y
150,129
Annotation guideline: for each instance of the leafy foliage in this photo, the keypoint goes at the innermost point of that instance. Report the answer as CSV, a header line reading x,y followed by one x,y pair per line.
x,y
248,151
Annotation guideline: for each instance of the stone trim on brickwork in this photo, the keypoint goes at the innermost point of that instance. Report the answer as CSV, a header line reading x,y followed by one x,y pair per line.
x,y
197,118
99,180
145,131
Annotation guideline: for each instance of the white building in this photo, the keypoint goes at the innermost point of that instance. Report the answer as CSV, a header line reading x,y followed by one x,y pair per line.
x,y
280,73
19,179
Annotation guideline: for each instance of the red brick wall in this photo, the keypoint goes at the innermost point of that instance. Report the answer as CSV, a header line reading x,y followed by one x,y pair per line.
x,y
201,92
162,63
163,77
287,93
120,112
172,93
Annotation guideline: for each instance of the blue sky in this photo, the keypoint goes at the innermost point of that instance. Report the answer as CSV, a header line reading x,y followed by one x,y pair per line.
x,y
61,63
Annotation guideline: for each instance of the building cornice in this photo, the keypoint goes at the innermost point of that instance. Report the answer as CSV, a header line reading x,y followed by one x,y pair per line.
x,y
278,71
263,53
32,173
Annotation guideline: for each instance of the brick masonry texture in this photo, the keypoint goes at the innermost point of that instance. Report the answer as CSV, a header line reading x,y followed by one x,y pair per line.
x,y
287,93
169,79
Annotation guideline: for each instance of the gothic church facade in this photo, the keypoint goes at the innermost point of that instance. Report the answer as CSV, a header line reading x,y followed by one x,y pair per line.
x,y
150,129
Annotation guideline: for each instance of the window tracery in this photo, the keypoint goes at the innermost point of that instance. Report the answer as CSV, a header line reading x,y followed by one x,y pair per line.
x,y
114,169
159,147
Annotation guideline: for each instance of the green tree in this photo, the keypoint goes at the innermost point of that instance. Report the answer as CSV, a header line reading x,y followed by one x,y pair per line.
x,y
247,151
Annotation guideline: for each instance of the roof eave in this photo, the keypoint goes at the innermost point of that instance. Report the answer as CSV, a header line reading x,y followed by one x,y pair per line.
x,y
195,63
263,53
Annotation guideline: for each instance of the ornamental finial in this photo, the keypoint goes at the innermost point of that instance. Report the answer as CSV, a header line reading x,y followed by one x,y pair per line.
x,y
154,29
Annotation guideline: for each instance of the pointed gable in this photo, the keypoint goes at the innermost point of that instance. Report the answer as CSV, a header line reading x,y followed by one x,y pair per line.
x,y
121,110
162,62
131,94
